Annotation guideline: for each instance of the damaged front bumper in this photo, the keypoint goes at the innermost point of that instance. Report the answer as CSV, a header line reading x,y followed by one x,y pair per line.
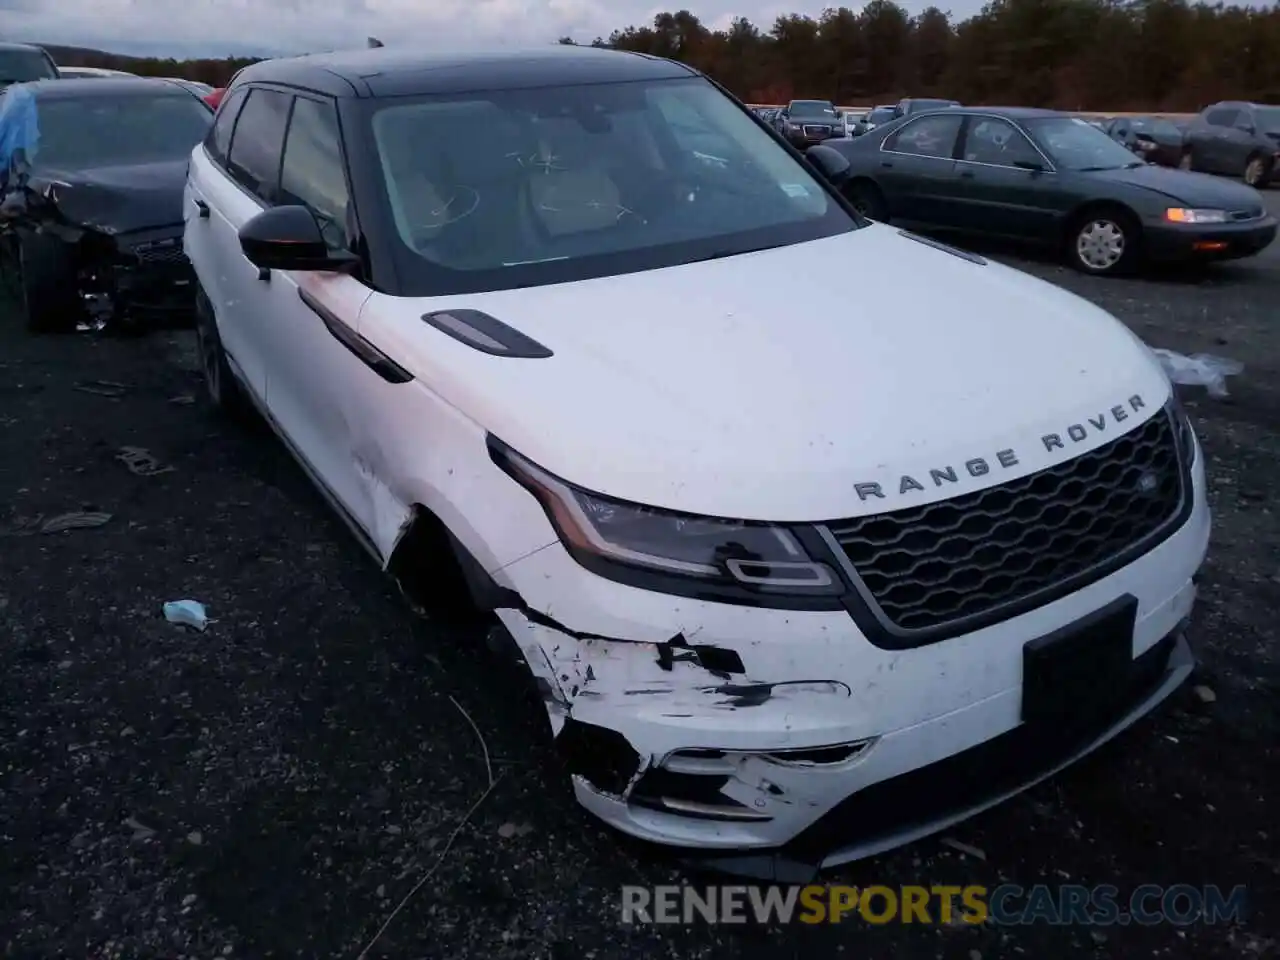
x,y
137,279
775,742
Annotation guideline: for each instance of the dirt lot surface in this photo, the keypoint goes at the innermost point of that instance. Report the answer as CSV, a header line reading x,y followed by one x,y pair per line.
x,y
273,787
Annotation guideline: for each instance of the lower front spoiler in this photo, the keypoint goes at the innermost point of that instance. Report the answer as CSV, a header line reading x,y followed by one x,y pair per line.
x,y
914,805
1226,241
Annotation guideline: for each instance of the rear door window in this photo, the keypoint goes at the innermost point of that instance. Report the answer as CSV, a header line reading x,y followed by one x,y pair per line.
x,y
1222,116
931,136
257,143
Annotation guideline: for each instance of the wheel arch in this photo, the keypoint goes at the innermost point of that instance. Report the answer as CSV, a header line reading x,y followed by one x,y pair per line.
x,y
436,571
1098,207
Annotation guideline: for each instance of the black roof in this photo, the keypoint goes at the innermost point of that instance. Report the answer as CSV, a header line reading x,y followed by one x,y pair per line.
x,y
72,88
400,71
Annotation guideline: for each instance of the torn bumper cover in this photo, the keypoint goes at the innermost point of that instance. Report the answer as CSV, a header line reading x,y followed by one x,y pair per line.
x,y
773,743
122,277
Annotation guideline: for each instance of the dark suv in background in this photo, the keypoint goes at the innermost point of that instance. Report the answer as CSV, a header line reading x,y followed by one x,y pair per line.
x,y
23,62
1235,138
807,122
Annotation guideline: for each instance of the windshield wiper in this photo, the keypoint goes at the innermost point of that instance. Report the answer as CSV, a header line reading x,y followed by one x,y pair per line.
x,y
721,254
1107,167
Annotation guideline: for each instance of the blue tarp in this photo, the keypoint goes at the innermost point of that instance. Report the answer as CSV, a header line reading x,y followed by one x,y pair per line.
x,y
19,130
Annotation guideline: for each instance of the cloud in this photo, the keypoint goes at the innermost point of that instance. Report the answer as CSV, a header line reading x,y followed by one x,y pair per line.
x,y
256,27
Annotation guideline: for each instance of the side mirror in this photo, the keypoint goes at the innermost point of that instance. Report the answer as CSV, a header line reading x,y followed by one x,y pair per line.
x,y
1249,128
1035,166
830,162
289,238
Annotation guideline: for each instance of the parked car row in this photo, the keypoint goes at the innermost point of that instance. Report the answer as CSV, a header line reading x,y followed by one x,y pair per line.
x,y
23,62
1046,178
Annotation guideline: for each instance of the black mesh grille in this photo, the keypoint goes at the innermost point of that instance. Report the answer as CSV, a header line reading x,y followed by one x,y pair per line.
x,y
162,252
942,562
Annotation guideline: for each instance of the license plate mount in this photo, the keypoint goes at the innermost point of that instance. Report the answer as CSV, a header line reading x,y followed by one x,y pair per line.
x,y
1077,673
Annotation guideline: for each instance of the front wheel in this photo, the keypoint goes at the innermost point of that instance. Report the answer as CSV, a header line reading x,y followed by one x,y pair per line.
x,y
1103,244
47,284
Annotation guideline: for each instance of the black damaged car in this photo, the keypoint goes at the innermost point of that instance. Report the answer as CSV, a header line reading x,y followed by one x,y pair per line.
x,y
1045,178
95,211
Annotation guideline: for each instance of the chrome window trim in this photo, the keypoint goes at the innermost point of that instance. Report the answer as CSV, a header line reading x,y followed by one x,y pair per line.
x,y
964,114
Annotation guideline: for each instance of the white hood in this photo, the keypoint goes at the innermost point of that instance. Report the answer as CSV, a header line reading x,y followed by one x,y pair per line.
x,y
747,388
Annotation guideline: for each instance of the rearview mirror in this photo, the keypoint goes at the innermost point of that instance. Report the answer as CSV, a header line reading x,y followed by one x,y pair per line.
x,y
830,162
289,238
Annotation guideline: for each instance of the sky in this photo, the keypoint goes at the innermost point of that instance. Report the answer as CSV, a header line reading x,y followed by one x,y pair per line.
x,y
189,28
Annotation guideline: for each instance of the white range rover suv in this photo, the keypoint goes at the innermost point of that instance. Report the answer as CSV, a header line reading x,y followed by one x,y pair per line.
x,y
795,582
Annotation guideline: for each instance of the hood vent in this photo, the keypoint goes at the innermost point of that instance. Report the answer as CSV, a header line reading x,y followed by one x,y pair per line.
x,y
486,334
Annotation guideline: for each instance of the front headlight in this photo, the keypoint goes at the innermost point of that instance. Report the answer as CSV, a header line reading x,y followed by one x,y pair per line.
x,y
670,552
1185,215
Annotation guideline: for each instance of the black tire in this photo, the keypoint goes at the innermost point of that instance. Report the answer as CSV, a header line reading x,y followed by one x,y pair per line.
x,y
1256,173
47,284
1104,242
220,383
868,199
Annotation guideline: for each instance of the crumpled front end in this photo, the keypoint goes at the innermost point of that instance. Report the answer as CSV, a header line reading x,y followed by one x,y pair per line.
x,y
124,280
812,737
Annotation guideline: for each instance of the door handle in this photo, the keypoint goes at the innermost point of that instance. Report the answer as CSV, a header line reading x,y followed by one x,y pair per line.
x,y
966,174
202,209
886,163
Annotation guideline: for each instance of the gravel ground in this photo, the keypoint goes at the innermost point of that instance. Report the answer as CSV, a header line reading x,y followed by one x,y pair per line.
x,y
273,787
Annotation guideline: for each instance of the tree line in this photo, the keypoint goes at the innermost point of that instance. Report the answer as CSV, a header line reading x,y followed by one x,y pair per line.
x,y
1160,55
1166,55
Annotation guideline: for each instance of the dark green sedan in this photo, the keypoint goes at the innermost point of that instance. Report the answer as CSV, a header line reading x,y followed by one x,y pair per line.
x,y
1047,178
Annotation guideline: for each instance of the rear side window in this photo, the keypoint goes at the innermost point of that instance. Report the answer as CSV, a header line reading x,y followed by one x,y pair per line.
x,y
933,136
313,173
254,160
219,140
1222,116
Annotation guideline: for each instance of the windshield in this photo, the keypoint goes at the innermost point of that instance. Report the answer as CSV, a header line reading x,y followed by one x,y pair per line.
x,y
1157,128
1268,119
103,131
812,108
505,189
23,66
1075,144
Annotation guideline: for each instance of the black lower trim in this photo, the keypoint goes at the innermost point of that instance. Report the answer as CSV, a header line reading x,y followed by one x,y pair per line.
x,y
974,777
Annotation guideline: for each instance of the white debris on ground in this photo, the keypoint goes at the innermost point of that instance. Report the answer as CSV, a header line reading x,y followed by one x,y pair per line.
x,y
187,613
1200,370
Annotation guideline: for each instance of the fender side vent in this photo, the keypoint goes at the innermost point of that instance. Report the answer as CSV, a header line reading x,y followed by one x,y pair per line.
x,y
486,334
945,248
